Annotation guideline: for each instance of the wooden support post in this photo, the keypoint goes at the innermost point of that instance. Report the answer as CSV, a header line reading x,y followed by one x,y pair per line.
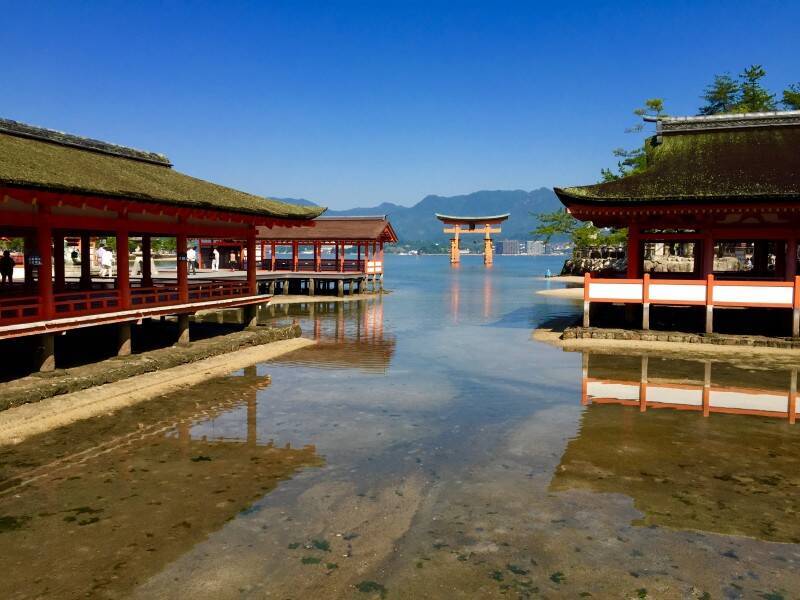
x,y
586,304
285,287
59,272
707,388
796,308
709,303
455,255
124,339
358,257
44,247
182,270
643,385
252,279
317,257
340,288
792,407
123,269
86,261
250,314
295,256
791,259
183,330
272,248
634,252
646,301
147,258
340,256
271,287
311,285
46,353
708,255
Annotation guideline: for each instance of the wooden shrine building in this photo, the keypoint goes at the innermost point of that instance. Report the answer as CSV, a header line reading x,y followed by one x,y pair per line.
x,y
321,253
56,187
713,220
466,225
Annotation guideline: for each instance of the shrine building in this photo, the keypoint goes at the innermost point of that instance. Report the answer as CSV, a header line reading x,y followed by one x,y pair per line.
x,y
712,220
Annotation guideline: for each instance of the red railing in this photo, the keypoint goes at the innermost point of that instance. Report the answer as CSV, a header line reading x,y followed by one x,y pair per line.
x,y
331,265
210,290
68,304
19,309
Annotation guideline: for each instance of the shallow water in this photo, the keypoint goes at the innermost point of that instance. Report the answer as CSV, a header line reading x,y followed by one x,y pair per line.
x,y
427,447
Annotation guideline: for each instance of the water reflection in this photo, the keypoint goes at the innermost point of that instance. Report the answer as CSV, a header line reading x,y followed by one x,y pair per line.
x,y
732,473
96,508
703,386
350,335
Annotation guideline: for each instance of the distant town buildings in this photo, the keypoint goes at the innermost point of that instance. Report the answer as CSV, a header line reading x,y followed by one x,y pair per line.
x,y
516,247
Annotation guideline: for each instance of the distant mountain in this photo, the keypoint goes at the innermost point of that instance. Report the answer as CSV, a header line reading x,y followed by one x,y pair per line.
x,y
298,201
418,222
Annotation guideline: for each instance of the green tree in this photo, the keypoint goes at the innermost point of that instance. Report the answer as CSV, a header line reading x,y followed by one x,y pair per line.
x,y
633,161
558,222
791,97
722,96
754,97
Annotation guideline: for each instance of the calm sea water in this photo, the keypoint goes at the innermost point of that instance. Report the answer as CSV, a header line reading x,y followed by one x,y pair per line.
x,y
427,447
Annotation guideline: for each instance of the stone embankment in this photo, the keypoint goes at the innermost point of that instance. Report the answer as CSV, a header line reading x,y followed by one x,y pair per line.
x,y
40,386
752,341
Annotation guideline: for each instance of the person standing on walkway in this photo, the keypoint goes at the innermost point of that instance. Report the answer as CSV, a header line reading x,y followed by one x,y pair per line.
x,y
191,258
7,268
233,260
106,263
215,260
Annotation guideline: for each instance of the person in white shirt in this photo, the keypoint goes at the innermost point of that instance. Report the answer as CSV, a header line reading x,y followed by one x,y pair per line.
x,y
106,263
215,260
191,258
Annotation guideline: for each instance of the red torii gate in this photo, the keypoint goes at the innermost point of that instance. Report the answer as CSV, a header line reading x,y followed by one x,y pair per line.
x,y
474,225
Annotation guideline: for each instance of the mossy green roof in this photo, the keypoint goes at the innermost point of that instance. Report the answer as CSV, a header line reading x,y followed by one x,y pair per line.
x,y
747,164
50,164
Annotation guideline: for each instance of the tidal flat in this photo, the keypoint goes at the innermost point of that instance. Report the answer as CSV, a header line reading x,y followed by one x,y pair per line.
x,y
426,447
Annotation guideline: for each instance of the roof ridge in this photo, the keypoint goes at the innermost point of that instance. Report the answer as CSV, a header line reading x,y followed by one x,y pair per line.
x,y
18,129
775,118
353,217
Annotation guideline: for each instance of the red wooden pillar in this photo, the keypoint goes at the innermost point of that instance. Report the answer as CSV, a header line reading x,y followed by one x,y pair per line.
x,y
59,273
123,269
44,248
340,256
86,261
182,268
358,257
252,281
708,255
317,256
147,256
272,255
634,252
294,255
791,259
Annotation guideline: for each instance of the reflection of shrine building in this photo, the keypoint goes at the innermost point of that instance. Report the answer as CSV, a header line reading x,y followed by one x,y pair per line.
x,y
703,386
135,491
727,474
350,335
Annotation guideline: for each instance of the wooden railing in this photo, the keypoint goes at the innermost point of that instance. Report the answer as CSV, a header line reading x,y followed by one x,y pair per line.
x,y
69,304
332,265
18,309
23,309
707,292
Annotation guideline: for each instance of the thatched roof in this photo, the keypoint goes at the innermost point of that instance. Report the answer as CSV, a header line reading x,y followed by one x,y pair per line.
x,y
42,159
724,158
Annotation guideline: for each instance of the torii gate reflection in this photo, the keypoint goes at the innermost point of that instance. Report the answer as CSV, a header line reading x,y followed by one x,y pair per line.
x,y
473,225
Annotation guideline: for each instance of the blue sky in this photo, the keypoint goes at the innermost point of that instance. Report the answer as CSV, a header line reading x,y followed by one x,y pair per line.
x,y
353,104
